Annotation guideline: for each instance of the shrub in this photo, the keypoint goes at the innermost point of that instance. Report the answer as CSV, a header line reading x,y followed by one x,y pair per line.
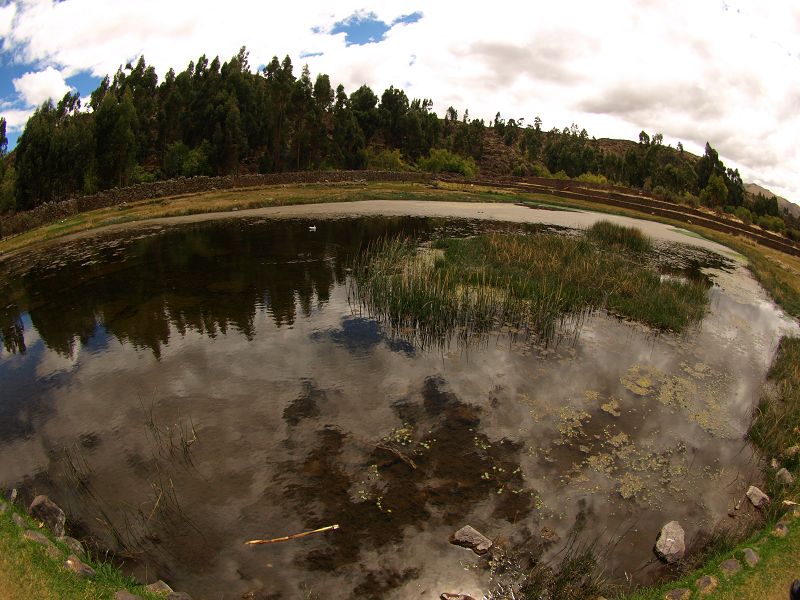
x,y
443,161
561,175
593,178
663,193
387,160
690,199
197,162
541,170
744,215
775,224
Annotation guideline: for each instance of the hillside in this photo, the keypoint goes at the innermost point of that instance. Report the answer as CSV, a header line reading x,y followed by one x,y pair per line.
x,y
783,204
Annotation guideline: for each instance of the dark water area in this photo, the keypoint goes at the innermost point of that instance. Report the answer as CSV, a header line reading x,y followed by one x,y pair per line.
x,y
181,391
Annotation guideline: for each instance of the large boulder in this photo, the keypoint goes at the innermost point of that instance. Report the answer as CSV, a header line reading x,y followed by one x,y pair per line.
x,y
48,511
670,544
469,537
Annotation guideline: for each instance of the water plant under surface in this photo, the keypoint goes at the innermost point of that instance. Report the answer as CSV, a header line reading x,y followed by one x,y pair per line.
x,y
538,283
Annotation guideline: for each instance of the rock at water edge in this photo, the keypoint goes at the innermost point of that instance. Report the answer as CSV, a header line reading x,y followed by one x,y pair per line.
x,y
75,565
758,498
784,476
670,546
781,530
706,584
126,595
469,537
751,557
74,545
679,594
159,586
730,567
48,511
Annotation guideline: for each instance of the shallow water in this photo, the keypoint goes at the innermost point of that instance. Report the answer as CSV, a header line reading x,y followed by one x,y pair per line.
x,y
181,391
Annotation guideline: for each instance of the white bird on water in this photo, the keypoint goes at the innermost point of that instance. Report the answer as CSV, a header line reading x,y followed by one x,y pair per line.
x,y
312,228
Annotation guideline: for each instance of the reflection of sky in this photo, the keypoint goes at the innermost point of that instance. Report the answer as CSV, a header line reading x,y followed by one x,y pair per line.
x,y
249,456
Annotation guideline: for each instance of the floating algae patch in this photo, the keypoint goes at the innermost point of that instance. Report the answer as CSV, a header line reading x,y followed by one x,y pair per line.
x,y
699,396
612,407
641,379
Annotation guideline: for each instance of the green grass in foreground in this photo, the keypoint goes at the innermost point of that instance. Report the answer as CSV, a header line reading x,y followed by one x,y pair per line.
x,y
768,580
26,571
533,282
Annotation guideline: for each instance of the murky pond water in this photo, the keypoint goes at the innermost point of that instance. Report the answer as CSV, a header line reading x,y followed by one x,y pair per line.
x,y
181,391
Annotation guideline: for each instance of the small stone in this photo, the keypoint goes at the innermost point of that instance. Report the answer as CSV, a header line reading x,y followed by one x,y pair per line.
x,y
751,557
781,530
730,567
455,597
48,511
757,497
40,538
179,596
159,586
13,496
469,537
75,565
126,595
74,545
670,546
679,594
784,477
35,536
706,584
18,520
791,452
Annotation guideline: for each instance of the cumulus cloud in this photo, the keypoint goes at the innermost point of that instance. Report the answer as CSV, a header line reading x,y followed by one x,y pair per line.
x,y
726,73
35,88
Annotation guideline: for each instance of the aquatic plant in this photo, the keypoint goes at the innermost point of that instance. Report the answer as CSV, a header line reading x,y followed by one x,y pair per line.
x,y
541,284
618,236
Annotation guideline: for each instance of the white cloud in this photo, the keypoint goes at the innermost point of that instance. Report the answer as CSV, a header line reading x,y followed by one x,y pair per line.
x,y
7,13
16,118
35,88
695,71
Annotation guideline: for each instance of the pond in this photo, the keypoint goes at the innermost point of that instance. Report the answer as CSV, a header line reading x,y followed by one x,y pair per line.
x,y
181,390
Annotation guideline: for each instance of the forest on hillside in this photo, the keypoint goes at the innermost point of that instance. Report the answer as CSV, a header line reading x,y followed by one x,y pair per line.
x,y
221,118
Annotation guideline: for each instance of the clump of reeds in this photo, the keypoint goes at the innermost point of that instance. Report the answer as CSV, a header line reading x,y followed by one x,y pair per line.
x,y
541,284
618,236
517,576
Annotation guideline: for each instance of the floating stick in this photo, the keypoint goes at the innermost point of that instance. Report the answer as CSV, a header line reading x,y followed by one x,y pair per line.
x,y
294,536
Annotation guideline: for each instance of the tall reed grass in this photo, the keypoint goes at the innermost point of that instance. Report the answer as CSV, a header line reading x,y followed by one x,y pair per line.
x,y
541,283
618,236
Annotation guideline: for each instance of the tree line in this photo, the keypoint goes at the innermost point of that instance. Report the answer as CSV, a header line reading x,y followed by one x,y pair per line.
x,y
223,118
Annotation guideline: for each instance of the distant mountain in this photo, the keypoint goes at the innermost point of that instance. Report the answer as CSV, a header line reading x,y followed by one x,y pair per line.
x,y
783,204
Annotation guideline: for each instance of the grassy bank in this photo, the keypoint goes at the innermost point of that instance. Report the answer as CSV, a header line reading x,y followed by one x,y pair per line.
x,y
28,571
247,198
534,282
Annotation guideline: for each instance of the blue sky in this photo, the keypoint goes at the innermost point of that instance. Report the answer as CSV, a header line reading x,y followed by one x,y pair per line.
x,y
723,72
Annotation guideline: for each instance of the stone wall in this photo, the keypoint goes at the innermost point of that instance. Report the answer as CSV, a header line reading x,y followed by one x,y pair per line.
x,y
51,212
